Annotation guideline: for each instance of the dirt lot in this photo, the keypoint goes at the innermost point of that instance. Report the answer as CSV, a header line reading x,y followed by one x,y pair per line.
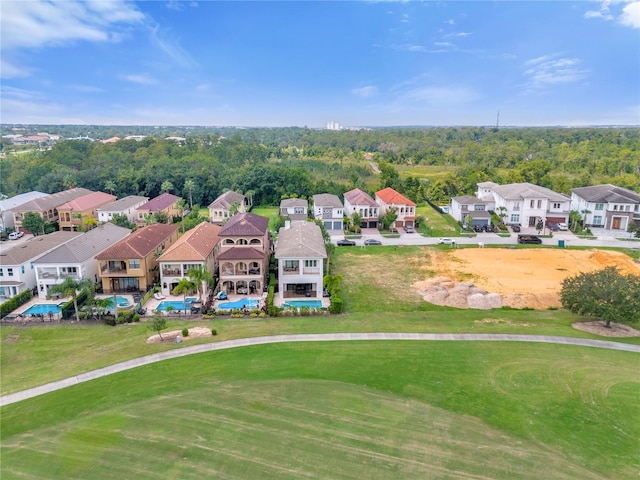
x,y
523,277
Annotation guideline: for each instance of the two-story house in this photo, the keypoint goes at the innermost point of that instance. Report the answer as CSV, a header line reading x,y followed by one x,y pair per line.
x,y
47,206
297,209
244,254
329,209
476,208
226,205
360,202
75,213
125,206
606,206
300,252
17,272
9,204
165,202
405,209
75,258
131,265
194,249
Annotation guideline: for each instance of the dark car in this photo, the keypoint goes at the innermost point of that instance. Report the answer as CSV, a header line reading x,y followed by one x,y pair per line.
x,y
372,241
529,239
346,243
515,228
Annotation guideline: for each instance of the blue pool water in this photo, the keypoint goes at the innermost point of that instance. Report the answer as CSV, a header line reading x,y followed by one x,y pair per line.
x,y
123,302
177,305
303,303
42,309
245,302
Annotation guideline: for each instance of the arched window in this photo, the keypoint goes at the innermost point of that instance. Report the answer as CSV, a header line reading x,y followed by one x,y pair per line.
x,y
255,241
226,268
228,241
242,241
254,268
241,268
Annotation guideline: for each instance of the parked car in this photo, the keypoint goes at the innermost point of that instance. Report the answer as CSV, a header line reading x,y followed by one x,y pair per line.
x,y
563,226
372,241
15,235
409,229
346,243
529,239
446,241
515,228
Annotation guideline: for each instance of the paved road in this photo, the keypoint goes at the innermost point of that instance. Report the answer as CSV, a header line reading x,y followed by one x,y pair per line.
x,y
328,337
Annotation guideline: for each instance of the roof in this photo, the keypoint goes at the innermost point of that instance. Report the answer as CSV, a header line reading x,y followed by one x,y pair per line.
x,y
34,247
301,240
487,184
293,202
88,201
391,197
195,245
53,200
516,191
470,200
123,204
227,199
245,224
241,253
140,243
607,193
327,200
358,197
17,200
86,246
160,202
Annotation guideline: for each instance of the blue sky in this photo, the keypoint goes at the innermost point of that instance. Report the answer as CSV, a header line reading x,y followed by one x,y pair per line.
x,y
289,63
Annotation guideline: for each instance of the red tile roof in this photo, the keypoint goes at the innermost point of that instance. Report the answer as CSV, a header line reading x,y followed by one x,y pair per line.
x,y
159,203
140,243
391,197
245,224
89,201
195,245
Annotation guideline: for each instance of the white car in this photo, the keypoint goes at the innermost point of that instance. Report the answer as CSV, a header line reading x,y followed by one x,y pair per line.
x,y
446,241
15,235
563,226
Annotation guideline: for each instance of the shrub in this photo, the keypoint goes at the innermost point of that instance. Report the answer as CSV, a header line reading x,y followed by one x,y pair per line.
x,y
136,317
14,302
214,331
185,332
110,320
336,305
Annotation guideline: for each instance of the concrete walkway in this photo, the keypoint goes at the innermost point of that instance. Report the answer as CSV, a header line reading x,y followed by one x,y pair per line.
x,y
327,337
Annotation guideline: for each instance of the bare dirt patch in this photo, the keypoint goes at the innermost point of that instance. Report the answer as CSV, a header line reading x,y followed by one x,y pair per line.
x,y
524,278
194,332
614,330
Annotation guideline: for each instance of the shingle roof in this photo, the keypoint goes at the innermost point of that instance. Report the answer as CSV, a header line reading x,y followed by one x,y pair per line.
x,y
245,224
301,240
52,201
241,253
293,202
160,202
88,201
358,197
34,247
391,197
123,203
86,246
195,245
227,199
487,184
607,193
17,200
327,200
516,191
470,200
140,243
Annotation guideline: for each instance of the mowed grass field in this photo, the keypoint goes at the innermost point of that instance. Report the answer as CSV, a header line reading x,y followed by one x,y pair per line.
x,y
328,410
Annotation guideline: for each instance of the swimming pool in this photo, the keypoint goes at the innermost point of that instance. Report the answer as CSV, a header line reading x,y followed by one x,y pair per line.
x,y
176,304
250,303
43,309
123,302
303,303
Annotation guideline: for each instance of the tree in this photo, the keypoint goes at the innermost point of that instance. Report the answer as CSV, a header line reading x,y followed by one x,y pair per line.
x,y
199,277
122,220
388,217
356,221
605,294
70,287
166,186
160,217
89,223
502,213
189,185
157,324
33,223
181,205
110,185
539,225
184,287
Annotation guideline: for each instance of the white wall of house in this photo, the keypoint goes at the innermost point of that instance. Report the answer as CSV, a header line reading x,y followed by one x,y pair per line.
x,y
15,279
332,217
48,274
292,271
172,272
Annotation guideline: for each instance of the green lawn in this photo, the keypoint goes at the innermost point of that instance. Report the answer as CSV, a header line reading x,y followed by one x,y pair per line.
x,y
438,224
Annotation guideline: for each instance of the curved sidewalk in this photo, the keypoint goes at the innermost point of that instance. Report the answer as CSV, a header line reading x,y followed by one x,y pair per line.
x,y
325,337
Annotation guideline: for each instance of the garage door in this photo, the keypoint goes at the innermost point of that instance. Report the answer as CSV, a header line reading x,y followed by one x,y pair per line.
x,y
480,221
556,220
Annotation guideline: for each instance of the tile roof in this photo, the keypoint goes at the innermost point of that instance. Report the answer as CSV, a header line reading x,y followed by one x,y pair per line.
x,y
607,193
327,200
123,203
471,200
86,246
160,202
359,197
52,201
391,197
17,200
516,191
88,201
196,244
241,253
293,202
227,199
245,224
34,247
140,243
300,240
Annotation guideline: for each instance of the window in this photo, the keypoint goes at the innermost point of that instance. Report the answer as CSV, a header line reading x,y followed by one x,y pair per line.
x,y
242,241
10,272
599,206
478,208
298,210
290,265
532,203
516,206
134,263
1,272
22,268
627,208
515,218
556,206
539,203
597,220
311,263
615,207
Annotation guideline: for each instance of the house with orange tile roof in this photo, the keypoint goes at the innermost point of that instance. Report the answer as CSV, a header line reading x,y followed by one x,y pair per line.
x,y
227,205
165,202
131,265
360,202
194,249
74,213
47,206
405,209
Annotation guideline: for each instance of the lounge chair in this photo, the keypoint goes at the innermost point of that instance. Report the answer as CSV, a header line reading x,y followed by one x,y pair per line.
x,y
158,296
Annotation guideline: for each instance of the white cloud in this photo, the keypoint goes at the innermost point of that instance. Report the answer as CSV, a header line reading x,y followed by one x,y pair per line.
x,y
140,79
548,70
365,92
172,48
631,15
418,91
11,70
628,16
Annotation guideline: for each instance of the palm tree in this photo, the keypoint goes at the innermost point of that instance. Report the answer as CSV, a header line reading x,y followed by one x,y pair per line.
x,y
110,185
184,287
181,205
70,288
166,186
190,185
199,276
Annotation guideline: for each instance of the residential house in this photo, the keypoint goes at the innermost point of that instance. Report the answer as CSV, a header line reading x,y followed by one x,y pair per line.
x,y
125,206
194,249
476,208
360,202
329,209
300,252
9,204
75,258
131,265
220,210
526,204
17,272
47,206
75,213
405,209
297,209
165,202
244,254
607,206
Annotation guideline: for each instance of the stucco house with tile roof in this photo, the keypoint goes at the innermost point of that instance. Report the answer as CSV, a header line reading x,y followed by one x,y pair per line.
x,y
125,206
360,202
76,258
300,252
220,208
244,254
165,202
196,248
329,209
9,204
405,209
297,209
607,206
74,213
47,206
131,264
